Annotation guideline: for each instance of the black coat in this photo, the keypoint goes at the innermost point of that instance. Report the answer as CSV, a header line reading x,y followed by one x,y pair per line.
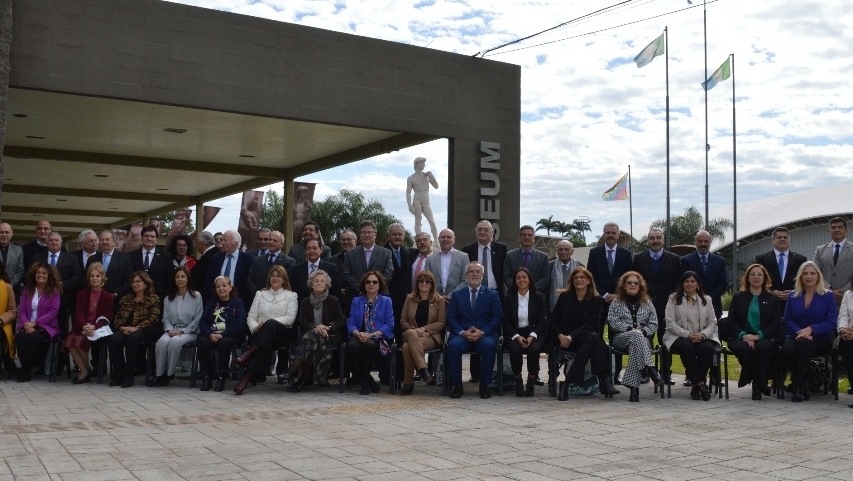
x,y
770,316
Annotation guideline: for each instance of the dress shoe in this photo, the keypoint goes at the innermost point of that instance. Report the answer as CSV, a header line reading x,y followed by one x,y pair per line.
x,y
807,394
519,387
165,380
484,391
116,382
670,382
456,391
635,395
474,379
528,390
426,376
538,382
563,391
153,382
687,383
206,383
241,386
606,387
244,358
704,392
694,393
407,389
756,394
296,385
284,377
765,390
797,396
220,384
654,376
365,388
85,380
128,382
374,386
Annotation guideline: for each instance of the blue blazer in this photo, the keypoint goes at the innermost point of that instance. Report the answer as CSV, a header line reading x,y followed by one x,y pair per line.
x,y
714,281
820,315
487,317
384,316
241,276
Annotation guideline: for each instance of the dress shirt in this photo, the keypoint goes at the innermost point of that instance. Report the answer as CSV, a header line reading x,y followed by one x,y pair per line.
x,y
86,257
149,256
490,274
52,258
233,257
445,267
787,261
421,259
524,314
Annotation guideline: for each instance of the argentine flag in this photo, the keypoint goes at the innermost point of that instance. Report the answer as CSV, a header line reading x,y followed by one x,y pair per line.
x,y
652,50
722,73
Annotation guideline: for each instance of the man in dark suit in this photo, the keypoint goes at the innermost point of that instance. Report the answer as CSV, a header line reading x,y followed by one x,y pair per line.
x,y
117,265
310,231
535,261
348,241
401,279
205,244
367,257
782,264
261,265
153,260
69,272
234,265
474,316
711,269
88,242
12,256
607,263
261,245
299,273
39,244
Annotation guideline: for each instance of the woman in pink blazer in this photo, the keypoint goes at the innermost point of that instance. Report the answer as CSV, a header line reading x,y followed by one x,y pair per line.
x,y
37,316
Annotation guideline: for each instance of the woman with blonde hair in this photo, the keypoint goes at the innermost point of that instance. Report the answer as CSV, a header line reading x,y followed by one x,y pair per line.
x,y
422,321
94,309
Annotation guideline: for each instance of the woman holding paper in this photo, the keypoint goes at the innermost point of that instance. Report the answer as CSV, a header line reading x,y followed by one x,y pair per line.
x,y
94,310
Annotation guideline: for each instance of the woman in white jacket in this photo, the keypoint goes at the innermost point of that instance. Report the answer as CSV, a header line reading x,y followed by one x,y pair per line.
x,y
270,323
845,334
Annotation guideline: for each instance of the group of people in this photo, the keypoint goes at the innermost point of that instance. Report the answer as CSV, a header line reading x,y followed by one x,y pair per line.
x,y
368,298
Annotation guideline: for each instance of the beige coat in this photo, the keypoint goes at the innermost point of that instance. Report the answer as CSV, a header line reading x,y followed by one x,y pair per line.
x,y
678,323
435,321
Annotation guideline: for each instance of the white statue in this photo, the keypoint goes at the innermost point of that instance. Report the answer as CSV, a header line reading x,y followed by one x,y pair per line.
x,y
419,202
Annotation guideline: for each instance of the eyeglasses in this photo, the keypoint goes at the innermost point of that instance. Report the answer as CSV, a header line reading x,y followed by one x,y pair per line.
x,y
632,283
425,281
371,282
368,232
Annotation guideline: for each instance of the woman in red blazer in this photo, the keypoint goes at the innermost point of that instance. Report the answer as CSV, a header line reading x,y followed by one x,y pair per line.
x,y
94,310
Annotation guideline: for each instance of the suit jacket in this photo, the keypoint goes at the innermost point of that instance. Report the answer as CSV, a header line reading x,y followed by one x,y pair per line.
x,y
605,280
30,249
260,269
354,267
821,315
401,279
575,318
15,264
556,281
456,274
45,315
663,284
436,318
299,279
713,281
498,252
486,315
78,254
537,315
769,315
241,275
835,276
538,267
678,324
199,273
69,271
160,269
771,263
342,295
384,320
118,273
297,253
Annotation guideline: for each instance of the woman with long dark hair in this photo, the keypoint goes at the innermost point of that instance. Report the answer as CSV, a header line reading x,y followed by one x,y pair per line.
x,y
37,317
525,313
182,310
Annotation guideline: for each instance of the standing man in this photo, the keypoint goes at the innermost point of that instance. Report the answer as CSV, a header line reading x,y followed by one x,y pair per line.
x,y
154,260
263,238
261,265
69,272
348,240
835,259
401,280
117,265
88,242
447,265
232,264
782,264
299,272
12,255
607,263
560,270
526,256
490,254
367,257
711,269
219,239
419,254
206,246
309,231
39,244
474,316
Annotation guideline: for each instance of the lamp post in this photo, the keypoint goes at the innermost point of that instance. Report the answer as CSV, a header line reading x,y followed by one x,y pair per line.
x,y
705,79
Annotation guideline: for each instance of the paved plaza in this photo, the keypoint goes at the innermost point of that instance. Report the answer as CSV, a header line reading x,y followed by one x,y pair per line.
x,y
95,432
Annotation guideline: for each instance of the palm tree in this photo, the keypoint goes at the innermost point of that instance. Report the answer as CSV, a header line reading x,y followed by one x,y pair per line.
x,y
548,224
5,46
684,227
564,228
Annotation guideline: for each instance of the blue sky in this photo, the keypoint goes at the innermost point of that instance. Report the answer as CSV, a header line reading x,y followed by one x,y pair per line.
x,y
588,112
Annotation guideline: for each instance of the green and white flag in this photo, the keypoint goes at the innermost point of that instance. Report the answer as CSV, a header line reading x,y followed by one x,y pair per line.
x,y
722,73
652,50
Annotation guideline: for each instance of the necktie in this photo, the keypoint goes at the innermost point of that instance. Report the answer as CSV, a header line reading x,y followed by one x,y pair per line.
x,y
397,257
312,268
565,274
107,262
485,266
270,260
367,254
782,266
656,264
419,267
53,259
835,255
704,261
228,267
473,298
526,260
147,260
610,260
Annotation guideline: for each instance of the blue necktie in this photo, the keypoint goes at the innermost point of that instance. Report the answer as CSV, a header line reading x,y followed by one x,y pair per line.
x,y
835,256
107,262
53,259
782,266
704,261
610,260
270,260
228,267
473,298
397,256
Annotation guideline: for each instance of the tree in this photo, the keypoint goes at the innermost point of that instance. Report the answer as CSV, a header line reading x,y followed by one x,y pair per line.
x,y
548,224
272,212
346,210
580,226
683,228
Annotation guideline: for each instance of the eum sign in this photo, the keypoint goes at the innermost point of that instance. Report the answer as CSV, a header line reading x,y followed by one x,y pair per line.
x,y
490,205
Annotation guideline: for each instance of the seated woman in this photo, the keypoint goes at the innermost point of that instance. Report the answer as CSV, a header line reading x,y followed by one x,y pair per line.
x,y
222,327
37,321
8,311
181,313
94,309
370,328
574,323
525,313
422,322
135,325
323,323
845,335
181,249
810,318
755,326
691,332
271,323
632,320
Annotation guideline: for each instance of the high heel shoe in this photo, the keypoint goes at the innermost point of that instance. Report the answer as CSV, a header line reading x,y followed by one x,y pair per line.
x,y
654,375
635,393
756,394
407,389
241,386
374,386
564,391
528,391
426,376
519,387
220,384
605,386
244,358
206,383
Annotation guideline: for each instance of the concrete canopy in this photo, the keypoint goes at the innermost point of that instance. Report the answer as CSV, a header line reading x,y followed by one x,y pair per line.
x,y
124,109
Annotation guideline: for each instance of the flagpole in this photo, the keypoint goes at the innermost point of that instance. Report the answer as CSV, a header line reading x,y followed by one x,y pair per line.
x,y
667,242
707,147
630,209
734,181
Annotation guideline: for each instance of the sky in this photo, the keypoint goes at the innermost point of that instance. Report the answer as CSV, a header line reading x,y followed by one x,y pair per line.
x,y
588,112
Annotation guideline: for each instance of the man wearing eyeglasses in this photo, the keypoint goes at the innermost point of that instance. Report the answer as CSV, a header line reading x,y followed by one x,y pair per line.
x,y
367,257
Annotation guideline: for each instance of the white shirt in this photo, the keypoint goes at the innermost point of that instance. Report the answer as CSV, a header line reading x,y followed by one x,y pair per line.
x,y
445,268
524,313
490,274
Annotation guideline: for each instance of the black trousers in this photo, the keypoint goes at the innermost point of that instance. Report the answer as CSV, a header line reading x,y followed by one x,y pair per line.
x,y
32,349
696,357
753,361
272,336
361,356
798,352
516,354
589,348
222,348
126,348
846,349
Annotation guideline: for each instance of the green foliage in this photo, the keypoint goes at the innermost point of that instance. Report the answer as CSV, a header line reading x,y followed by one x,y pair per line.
x,y
548,224
272,212
684,227
346,210
726,300
574,230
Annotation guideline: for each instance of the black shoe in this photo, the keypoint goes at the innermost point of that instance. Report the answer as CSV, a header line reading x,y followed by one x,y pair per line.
x,y
704,392
206,383
694,393
165,380
645,379
86,379
617,381
374,386
407,389
756,394
563,391
519,387
654,376
687,383
296,385
850,406
283,377
426,376
807,395
128,382
456,391
669,382
116,382
474,379
765,390
635,395
797,396
153,382
538,382
220,384
606,387
484,391
365,388
528,391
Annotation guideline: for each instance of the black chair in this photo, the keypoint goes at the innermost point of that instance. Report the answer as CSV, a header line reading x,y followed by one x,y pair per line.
x,y
392,361
395,383
830,373
656,352
150,360
51,362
